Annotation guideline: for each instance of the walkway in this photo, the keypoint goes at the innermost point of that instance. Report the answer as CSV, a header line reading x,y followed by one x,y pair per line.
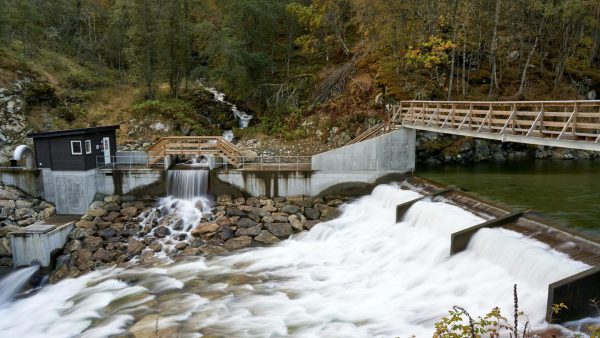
x,y
566,124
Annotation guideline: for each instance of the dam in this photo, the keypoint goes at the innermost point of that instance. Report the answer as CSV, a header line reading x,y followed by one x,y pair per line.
x,y
402,252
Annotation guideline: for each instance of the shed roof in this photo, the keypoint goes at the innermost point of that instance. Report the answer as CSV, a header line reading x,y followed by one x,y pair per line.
x,y
69,132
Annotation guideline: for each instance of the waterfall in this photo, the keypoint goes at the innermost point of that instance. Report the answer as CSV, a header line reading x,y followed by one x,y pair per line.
x,y
11,284
359,275
187,184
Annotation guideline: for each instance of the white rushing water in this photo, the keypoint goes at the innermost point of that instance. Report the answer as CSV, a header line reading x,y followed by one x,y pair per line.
x,y
187,184
14,282
360,275
244,118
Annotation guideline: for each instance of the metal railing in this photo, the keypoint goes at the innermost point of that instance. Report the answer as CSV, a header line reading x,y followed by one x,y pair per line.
x,y
126,162
257,163
272,163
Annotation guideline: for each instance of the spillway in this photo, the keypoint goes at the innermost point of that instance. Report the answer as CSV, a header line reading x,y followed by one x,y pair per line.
x,y
359,275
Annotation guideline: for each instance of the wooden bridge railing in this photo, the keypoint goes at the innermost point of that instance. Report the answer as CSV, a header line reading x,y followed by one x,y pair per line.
x,y
553,120
194,145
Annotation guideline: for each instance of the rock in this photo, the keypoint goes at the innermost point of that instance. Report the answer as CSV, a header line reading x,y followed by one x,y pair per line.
x,y
268,219
79,233
245,223
84,224
233,212
107,233
249,155
240,201
237,243
98,204
129,211
250,231
23,213
266,237
514,55
92,243
112,199
96,212
6,193
111,216
134,247
212,249
111,207
7,204
23,204
269,208
312,213
279,229
146,257
224,200
280,216
84,260
327,212
156,246
204,228
26,222
295,222
104,255
290,209
6,261
188,251
5,247
161,232
73,246
4,231
181,246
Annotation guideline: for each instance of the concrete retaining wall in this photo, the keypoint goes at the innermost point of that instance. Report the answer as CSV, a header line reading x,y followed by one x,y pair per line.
x,y
295,183
70,191
134,182
28,180
394,151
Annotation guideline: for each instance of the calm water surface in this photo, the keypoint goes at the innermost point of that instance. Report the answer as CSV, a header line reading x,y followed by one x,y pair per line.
x,y
566,191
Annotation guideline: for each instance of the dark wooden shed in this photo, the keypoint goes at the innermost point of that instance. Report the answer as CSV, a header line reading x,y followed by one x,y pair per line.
x,y
75,149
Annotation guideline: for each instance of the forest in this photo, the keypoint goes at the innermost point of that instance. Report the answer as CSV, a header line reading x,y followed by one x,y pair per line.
x,y
284,57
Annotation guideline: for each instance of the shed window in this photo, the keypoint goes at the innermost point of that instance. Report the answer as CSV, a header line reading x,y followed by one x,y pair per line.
x,y
88,146
76,148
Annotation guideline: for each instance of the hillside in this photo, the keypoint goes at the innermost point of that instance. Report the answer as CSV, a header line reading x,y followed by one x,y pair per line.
x,y
318,70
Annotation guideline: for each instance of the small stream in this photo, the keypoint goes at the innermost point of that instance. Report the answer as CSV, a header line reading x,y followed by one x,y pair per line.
x,y
566,191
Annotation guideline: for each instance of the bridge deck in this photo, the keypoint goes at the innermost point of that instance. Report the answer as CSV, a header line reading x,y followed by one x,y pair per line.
x,y
567,124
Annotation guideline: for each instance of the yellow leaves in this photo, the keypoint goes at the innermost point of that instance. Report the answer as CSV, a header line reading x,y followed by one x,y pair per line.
x,y
431,53
556,308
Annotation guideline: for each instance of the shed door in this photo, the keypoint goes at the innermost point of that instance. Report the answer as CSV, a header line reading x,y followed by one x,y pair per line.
x,y
106,146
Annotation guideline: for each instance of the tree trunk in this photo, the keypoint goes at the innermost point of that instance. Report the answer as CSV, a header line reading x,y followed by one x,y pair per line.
x,y
493,78
528,62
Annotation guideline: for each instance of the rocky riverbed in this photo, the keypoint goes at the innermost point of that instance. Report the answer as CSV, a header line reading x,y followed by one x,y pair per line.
x,y
18,210
120,229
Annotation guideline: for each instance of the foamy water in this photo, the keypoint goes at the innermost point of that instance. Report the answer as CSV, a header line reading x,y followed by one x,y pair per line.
x,y
360,275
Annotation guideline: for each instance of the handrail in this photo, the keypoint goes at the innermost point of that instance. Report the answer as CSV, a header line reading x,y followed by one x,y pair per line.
x,y
200,145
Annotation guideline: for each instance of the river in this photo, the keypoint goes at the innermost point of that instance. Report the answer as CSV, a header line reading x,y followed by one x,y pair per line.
x,y
359,275
566,191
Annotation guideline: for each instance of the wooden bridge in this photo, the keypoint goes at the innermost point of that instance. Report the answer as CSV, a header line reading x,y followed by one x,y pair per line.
x,y
194,145
566,124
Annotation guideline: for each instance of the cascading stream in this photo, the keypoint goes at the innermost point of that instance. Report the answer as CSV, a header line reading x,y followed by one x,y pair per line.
x,y
360,275
187,184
